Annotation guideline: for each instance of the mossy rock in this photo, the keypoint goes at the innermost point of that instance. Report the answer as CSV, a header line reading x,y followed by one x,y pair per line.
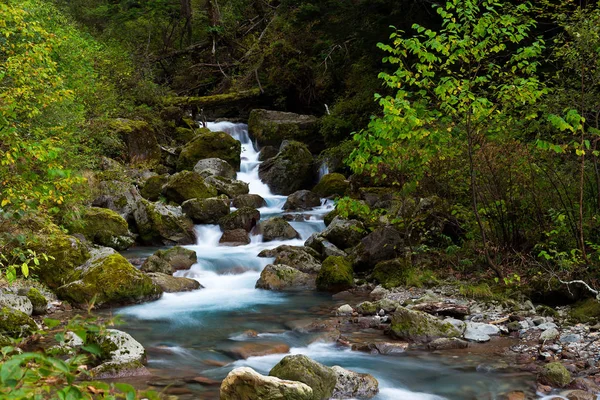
x,y
272,127
367,308
105,228
141,140
243,218
277,228
186,185
281,277
245,383
215,167
400,272
248,200
555,374
152,188
110,280
301,258
332,185
336,275
173,284
586,311
183,135
291,170
299,368
329,217
171,260
158,224
210,145
420,327
14,323
228,187
206,211
39,302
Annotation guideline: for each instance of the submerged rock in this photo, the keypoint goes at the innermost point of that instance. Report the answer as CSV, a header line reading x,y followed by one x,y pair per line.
x,y
215,167
186,185
417,326
335,275
235,237
277,228
244,350
210,145
283,277
290,170
206,211
302,200
321,379
245,383
353,385
173,284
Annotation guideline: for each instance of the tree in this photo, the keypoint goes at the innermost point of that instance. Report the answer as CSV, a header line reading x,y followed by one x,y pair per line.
x,y
466,83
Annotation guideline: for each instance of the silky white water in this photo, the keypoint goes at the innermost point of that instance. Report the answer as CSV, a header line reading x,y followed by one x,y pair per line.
x,y
194,329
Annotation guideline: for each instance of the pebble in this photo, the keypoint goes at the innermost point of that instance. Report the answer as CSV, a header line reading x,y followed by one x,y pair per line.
x,y
549,335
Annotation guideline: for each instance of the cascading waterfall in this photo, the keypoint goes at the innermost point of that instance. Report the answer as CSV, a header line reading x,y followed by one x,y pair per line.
x,y
192,328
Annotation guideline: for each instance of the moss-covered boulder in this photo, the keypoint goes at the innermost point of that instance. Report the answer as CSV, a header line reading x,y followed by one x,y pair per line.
x,y
555,374
14,323
323,246
392,273
215,167
173,284
158,224
344,233
152,188
187,185
104,227
16,302
586,311
171,260
272,127
248,200
291,170
335,275
267,152
182,135
301,258
38,301
280,277
119,196
141,140
228,187
367,308
302,200
420,327
277,228
385,243
209,144
109,279
122,355
332,185
235,237
321,379
245,383
206,211
243,218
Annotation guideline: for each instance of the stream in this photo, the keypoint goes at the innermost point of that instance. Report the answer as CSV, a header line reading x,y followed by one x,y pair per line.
x,y
192,333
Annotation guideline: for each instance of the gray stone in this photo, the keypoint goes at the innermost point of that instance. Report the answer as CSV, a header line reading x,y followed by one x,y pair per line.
x,y
480,332
549,334
345,310
19,303
247,384
570,338
215,167
353,385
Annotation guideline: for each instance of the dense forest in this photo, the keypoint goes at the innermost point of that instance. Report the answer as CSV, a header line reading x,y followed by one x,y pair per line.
x,y
460,142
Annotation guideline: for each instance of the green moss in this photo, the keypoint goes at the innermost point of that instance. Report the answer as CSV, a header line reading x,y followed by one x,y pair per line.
x,y
186,185
212,101
418,326
104,227
300,368
184,135
546,311
367,308
335,275
330,216
480,291
38,300
141,140
152,188
332,185
272,127
14,323
555,374
210,145
586,311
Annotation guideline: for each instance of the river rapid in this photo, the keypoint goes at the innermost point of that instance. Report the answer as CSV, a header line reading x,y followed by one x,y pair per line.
x,y
194,333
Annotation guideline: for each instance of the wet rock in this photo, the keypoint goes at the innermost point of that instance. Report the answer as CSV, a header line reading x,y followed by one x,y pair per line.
x,y
354,385
335,275
103,227
277,228
302,200
244,350
158,224
15,323
210,145
458,324
448,344
16,302
204,381
387,305
267,152
290,170
244,218
379,293
125,356
321,379
549,334
579,395
332,185
344,310
245,383
344,233
39,302
283,277
172,284
235,237
206,211
480,332
272,127
249,200
416,326
215,167
383,244
141,141
554,374
367,308
302,258
228,187
171,260
324,247
188,185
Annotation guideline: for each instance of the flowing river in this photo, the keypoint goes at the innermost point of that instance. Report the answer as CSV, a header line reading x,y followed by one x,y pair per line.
x,y
194,333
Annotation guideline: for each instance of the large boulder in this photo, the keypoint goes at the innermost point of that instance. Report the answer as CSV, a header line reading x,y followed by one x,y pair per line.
x,y
272,127
153,187
267,152
235,237
277,228
320,378
385,243
39,302
283,277
158,224
392,273
335,275
243,218
16,302
352,385
248,200
210,145
344,233
323,246
122,355
118,196
420,327
109,279
332,185
104,227
555,374
173,284
186,185
290,170
247,384
215,167
301,258
169,261
206,211
14,323
140,139
302,200
228,187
